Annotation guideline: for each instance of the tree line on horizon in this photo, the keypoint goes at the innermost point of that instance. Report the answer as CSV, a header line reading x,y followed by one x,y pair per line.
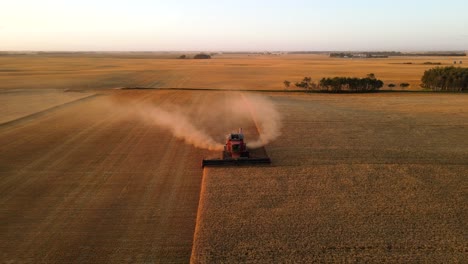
x,y
197,56
386,54
340,84
449,79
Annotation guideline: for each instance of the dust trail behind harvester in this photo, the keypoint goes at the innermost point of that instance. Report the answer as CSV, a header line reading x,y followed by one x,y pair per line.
x,y
266,118
191,122
179,125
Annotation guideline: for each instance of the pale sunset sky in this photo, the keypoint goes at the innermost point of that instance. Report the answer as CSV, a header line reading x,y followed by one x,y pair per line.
x,y
241,25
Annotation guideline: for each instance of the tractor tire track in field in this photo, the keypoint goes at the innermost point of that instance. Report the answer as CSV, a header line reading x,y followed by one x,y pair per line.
x,y
84,184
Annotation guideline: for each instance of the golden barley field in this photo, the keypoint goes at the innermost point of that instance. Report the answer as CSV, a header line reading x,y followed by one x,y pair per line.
x,y
90,174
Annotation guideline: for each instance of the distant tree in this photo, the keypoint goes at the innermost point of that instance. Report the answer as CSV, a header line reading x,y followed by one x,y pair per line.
x,y
371,76
391,85
306,83
202,56
313,86
183,56
404,85
341,55
286,84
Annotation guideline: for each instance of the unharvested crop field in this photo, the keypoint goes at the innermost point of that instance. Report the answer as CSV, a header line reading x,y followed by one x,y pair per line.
x,y
88,176
223,71
355,178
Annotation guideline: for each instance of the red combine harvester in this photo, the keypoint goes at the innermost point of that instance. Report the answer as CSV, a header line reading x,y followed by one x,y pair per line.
x,y
236,153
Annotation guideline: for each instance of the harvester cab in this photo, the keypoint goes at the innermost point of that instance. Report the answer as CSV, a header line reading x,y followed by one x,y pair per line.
x,y
235,153
235,146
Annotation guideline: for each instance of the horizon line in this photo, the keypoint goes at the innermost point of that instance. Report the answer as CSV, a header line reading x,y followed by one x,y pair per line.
x,y
230,51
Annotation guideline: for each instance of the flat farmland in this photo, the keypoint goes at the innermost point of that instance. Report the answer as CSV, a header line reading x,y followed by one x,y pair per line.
x,y
355,178
20,104
95,175
264,72
86,183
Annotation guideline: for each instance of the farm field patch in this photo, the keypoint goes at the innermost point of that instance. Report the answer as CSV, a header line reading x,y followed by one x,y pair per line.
x,y
20,103
354,178
226,71
85,183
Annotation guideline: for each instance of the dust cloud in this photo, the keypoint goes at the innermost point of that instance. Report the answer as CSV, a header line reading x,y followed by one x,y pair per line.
x,y
180,126
266,118
201,124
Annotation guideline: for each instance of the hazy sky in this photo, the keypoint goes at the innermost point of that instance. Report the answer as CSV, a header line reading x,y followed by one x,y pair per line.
x,y
233,25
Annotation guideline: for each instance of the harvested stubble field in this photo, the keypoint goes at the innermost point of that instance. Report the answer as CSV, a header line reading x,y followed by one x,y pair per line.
x,y
17,105
379,178
265,72
89,184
